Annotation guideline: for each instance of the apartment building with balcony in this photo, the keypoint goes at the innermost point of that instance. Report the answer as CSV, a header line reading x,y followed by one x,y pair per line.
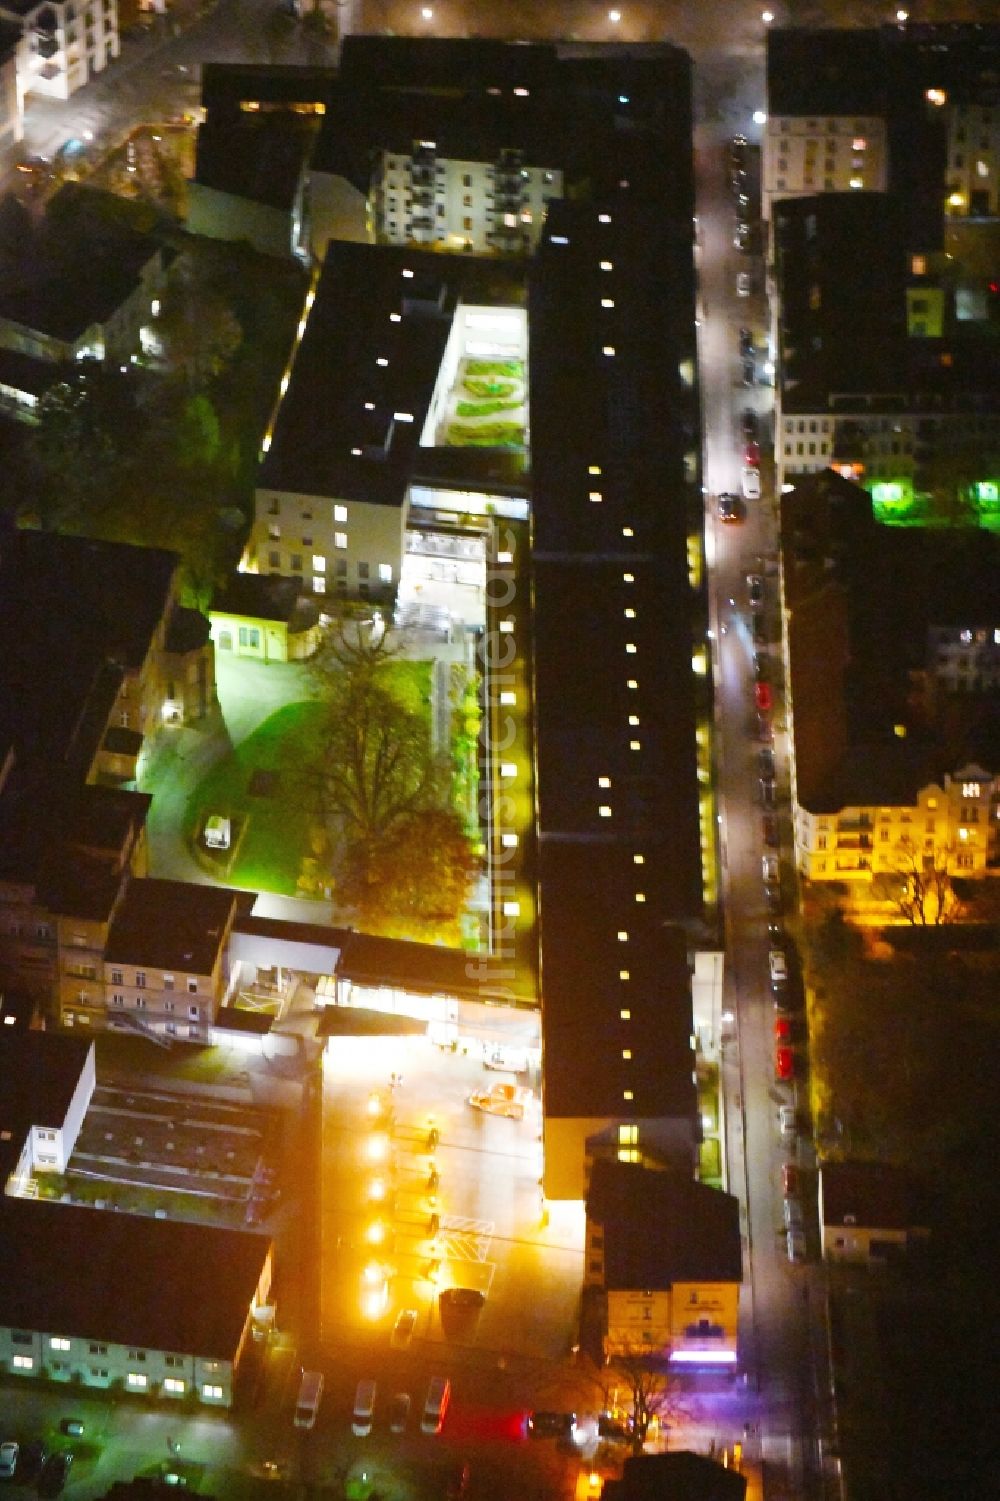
x,y
64,43
427,198
886,366
79,282
892,704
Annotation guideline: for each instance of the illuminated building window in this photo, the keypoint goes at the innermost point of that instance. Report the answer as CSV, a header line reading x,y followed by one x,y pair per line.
x,y
626,1016
640,896
608,349
209,1391
632,683
507,697
512,909
593,469
172,1385
627,1094
596,496
628,1136
506,626
607,302
137,1381
629,613
628,578
630,648
607,266
622,936
623,974
605,810
57,1343
604,781
635,745
22,1363
340,539
627,1054
638,859
627,531
509,841
633,719
508,769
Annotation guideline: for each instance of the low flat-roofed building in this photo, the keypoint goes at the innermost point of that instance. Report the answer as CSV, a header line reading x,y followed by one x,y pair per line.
x,y
46,1083
182,1328
666,1253
246,179
264,617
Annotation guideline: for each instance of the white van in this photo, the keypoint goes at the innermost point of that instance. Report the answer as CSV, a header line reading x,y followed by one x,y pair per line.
x,y
307,1403
436,1405
364,1409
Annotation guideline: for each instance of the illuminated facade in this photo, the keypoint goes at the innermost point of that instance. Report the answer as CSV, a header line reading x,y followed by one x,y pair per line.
x,y
952,826
63,1317
64,43
803,156
666,1254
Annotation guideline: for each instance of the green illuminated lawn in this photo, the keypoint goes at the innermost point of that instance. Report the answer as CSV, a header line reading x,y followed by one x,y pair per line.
x,y
277,833
279,827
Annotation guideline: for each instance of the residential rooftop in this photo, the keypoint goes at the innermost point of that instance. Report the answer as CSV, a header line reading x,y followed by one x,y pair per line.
x,y
171,925
661,1228
65,1268
615,989
873,1195
363,376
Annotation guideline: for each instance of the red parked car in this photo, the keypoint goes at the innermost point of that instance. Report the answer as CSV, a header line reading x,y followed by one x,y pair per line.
x,y
763,696
752,455
784,1062
783,1029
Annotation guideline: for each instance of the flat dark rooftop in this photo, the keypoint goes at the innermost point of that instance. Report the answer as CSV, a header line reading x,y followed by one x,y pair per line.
x,y
325,416
825,72
189,1286
869,1194
173,925
661,1228
255,156
39,1072
25,373
228,85
265,597
587,898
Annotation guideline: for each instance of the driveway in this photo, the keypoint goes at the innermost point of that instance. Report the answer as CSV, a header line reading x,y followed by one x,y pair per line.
x,y
249,693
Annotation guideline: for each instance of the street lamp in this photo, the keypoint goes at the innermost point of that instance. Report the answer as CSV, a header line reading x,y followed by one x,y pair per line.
x,y
767,16
427,13
614,16
760,117
902,16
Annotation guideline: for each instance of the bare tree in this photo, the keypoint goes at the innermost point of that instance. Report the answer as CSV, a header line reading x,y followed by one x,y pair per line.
x,y
925,896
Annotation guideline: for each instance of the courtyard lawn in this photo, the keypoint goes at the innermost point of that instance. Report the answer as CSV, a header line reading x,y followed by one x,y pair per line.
x,y
276,838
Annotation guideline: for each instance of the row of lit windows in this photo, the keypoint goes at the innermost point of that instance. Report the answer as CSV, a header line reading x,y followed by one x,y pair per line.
x,y
166,981
274,509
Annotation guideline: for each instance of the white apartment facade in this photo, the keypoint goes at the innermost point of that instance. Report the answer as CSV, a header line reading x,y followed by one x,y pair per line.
x,y
102,1364
952,825
480,208
802,157
64,43
336,547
